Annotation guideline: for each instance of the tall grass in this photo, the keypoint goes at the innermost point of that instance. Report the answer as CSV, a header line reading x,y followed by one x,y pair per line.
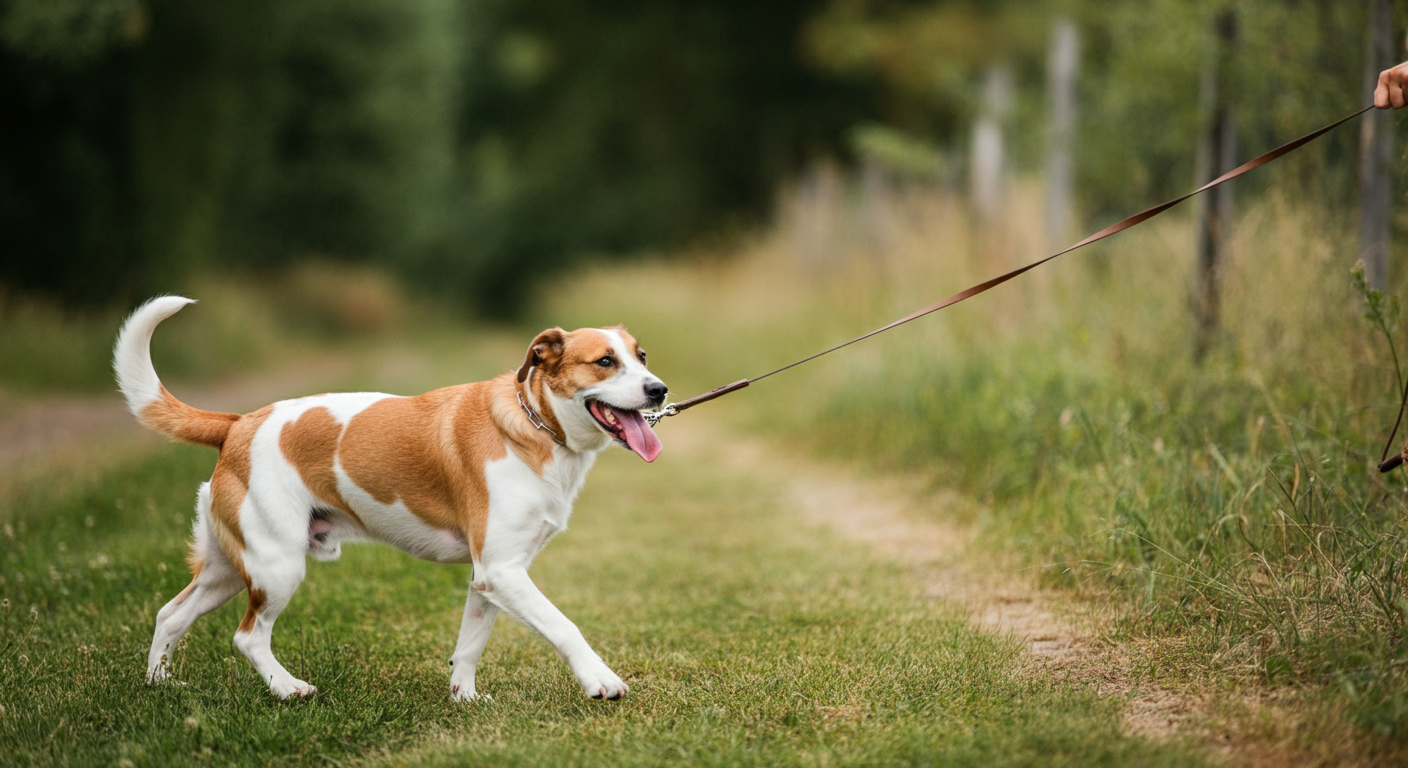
x,y
1230,506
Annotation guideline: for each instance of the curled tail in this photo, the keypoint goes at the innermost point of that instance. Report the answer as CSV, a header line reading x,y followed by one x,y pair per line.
x,y
146,397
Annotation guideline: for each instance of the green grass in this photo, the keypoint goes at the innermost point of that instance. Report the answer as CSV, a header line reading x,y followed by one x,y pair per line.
x,y
1227,511
747,640
1233,505
1225,514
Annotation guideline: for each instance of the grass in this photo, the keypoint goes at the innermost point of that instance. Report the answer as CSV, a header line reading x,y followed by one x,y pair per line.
x,y
1228,513
747,640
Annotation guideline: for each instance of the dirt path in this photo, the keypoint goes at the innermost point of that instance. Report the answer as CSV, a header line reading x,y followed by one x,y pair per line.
x,y
905,523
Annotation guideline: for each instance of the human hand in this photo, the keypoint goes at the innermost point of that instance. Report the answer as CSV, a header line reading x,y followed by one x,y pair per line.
x,y
1393,87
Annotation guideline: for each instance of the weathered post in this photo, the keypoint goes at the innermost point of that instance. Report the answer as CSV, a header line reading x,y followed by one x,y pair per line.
x,y
989,163
1217,154
1375,151
1061,66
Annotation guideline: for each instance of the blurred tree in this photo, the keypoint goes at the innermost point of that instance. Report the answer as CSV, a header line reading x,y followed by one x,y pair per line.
x,y
613,125
1376,149
149,139
62,134
471,144
474,145
1217,154
929,60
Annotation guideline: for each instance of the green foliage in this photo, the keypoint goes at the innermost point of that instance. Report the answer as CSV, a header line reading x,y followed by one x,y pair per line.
x,y
594,128
1234,505
1229,513
474,146
470,146
1140,105
70,32
1294,67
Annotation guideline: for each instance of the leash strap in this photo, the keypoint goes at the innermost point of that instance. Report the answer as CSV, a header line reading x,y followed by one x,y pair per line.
x,y
1120,226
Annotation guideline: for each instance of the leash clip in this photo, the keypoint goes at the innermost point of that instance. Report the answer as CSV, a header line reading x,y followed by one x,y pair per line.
x,y
655,417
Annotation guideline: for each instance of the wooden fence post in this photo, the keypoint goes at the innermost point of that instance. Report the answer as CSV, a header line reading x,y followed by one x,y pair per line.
x,y
989,161
1217,154
1061,67
1375,152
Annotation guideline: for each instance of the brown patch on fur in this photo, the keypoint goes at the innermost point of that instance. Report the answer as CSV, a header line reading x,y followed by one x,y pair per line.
x,y
310,445
251,614
230,482
576,367
544,351
179,421
537,389
530,444
429,452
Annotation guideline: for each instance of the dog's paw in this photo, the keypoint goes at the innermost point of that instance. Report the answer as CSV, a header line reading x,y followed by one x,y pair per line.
x,y
161,675
292,687
466,694
599,682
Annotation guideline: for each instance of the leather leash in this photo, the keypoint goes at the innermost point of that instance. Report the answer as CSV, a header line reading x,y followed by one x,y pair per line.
x,y
1120,226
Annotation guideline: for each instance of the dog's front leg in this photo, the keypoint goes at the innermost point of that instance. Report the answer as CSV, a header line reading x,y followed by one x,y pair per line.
x,y
479,614
513,591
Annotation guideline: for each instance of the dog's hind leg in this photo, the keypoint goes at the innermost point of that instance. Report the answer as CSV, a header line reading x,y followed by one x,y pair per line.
x,y
273,578
274,561
206,592
478,620
214,583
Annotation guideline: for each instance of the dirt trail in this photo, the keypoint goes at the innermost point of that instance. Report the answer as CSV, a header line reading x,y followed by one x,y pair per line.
x,y
900,522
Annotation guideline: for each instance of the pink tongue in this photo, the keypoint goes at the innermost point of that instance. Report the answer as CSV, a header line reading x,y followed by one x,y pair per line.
x,y
639,436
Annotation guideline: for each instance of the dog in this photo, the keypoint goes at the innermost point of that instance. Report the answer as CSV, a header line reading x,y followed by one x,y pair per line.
x,y
482,473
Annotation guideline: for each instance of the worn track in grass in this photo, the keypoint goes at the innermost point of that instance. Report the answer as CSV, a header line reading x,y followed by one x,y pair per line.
x,y
905,523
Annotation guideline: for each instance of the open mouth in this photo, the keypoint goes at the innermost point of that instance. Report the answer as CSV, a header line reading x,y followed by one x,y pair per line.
x,y
627,427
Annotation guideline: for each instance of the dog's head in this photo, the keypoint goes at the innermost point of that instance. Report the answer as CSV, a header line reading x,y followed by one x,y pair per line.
x,y
595,383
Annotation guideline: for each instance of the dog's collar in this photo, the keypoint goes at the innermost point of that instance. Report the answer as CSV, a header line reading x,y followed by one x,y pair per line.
x,y
533,417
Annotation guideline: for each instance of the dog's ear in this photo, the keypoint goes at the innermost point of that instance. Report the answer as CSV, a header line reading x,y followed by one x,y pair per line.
x,y
545,350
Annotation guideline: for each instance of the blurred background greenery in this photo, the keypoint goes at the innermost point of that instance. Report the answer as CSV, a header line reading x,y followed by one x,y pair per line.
x,y
790,174
472,147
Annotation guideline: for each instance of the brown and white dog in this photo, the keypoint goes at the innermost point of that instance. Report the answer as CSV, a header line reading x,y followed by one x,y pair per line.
x,y
481,473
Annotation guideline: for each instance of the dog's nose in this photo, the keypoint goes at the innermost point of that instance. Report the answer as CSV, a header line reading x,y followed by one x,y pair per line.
x,y
655,391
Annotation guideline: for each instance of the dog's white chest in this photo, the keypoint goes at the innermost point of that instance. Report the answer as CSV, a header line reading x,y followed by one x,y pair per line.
x,y
527,509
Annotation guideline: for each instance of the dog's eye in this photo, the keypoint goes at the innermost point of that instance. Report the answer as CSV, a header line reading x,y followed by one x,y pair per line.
x,y
606,362
642,357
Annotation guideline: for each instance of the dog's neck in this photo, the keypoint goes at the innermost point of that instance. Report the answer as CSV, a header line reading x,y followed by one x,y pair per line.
x,y
527,400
